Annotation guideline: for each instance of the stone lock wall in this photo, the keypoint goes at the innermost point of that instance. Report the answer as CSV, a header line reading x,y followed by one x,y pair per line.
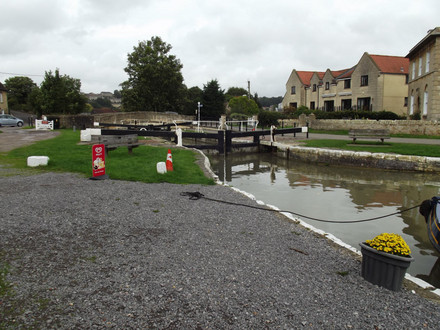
x,y
140,117
418,127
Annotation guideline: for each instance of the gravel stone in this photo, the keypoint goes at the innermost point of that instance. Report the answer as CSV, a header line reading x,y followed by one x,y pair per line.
x,y
115,254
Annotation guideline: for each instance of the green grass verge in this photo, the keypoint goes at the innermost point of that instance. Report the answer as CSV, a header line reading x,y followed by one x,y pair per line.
x,y
397,148
345,132
65,155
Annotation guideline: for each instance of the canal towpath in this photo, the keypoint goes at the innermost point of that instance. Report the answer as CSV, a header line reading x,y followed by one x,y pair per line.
x,y
132,255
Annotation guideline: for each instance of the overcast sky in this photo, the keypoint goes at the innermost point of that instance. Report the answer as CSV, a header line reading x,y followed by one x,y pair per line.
x,y
232,41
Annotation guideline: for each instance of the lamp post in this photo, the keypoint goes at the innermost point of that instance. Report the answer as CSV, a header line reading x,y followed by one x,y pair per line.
x,y
198,114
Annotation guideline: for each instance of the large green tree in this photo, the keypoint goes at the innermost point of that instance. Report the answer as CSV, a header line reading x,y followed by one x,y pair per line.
x,y
155,81
59,95
192,96
19,89
213,100
235,91
243,105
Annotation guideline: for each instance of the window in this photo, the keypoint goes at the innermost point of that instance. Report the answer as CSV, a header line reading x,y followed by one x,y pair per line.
x,y
413,72
1,98
327,85
293,105
405,102
314,88
428,58
347,83
411,105
425,103
312,105
364,103
329,106
364,80
293,90
420,66
346,104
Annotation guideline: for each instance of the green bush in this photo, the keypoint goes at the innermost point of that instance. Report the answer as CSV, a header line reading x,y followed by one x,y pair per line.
x,y
346,114
269,118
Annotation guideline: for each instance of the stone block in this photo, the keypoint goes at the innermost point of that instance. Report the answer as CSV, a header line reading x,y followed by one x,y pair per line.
x,y
86,134
34,161
161,168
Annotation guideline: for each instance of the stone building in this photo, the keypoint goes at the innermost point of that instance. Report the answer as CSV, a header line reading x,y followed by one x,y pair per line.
x,y
3,99
376,82
424,77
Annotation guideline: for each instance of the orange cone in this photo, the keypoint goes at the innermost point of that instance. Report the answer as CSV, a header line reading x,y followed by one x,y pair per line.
x,y
169,163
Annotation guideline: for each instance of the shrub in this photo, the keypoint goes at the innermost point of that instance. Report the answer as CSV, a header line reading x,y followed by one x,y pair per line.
x,y
268,118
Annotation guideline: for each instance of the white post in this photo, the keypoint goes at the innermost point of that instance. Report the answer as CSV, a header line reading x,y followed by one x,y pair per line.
x,y
179,137
198,114
272,128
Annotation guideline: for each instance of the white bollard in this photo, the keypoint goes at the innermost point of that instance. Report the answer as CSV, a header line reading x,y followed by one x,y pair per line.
x,y
161,168
179,137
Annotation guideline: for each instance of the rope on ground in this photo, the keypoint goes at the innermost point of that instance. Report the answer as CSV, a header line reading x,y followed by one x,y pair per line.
x,y
197,195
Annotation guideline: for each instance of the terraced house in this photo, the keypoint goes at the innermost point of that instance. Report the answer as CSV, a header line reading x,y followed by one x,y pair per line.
x,y
424,77
376,82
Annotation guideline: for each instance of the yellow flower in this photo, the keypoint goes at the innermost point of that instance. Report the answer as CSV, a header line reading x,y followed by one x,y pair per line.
x,y
390,243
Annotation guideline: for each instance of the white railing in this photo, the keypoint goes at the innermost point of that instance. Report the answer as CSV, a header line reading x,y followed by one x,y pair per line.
x,y
44,124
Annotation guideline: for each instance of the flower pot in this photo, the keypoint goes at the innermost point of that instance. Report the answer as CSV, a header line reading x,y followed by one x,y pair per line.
x,y
383,269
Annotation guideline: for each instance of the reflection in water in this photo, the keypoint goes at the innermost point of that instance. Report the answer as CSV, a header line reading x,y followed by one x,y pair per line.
x,y
342,193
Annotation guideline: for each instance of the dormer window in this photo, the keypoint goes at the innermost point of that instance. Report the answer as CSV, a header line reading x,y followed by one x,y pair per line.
x,y
327,85
347,83
293,90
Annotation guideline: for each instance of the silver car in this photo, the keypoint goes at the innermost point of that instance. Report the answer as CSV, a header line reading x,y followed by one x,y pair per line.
x,y
9,120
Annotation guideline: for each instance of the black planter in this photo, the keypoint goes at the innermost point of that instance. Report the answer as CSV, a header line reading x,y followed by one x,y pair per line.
x,y
383,269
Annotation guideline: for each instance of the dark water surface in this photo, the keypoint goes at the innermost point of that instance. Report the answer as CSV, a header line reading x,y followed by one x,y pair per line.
x,y
342,193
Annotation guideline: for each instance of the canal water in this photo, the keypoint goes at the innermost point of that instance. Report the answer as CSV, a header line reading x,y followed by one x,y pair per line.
x,y
343,194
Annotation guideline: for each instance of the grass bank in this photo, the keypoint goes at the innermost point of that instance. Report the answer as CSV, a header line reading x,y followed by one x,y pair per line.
x,y
345,132
397,148
66,155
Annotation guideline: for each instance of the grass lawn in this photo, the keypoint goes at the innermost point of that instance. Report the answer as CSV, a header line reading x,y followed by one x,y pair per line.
x,y
397,148
65,155
345,132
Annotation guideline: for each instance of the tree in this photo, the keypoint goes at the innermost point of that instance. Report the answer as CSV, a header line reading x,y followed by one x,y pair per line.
x,y
235,91
155,81
192,96
213,100
243,105
101,102
117,94
19,89
60,95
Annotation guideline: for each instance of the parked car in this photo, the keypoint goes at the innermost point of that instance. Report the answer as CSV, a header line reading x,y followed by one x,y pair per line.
x,y
9,120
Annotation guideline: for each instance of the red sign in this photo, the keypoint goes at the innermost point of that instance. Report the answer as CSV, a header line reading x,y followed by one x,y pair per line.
x,y
98,152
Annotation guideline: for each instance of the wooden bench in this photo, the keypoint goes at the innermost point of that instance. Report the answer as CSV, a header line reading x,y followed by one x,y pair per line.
x,y
380,134
113,142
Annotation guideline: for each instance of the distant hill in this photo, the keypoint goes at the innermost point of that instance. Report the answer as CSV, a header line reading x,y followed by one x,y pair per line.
x,y
268,101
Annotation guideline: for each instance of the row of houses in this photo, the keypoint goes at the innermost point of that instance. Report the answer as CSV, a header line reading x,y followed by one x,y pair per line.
x,y
404,85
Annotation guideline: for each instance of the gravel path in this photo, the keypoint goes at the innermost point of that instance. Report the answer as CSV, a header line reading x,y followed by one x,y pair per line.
x,y
114,254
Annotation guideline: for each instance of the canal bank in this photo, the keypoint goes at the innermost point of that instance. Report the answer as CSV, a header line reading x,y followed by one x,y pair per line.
x,y
290,148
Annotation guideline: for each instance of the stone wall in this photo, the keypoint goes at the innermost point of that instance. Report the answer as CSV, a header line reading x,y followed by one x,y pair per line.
x,y
140,118
419,127
355,158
